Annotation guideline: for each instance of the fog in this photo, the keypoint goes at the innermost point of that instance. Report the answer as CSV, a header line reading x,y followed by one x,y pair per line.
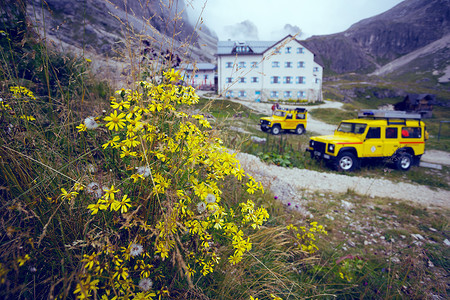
x,y
273,19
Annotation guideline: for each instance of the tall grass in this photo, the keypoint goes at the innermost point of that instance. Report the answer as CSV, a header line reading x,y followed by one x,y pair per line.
x,y
140,201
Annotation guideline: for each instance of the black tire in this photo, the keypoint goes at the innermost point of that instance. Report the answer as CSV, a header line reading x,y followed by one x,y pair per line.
x,y
403,161
276,129
264,129
346,162
300,129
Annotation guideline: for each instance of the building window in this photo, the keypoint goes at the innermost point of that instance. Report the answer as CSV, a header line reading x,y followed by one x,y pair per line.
x,y
301,79
301,94
275,79
229,65
255,79
287,94
242,94
229,94
317,80
287,79
242,64
288,64
276,50
242,80
316,69
274,94
275,64
229,79
300,50
301,64
288,49
254,64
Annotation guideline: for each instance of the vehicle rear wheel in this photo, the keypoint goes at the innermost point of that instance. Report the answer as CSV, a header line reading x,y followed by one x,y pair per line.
x,y
276,129
300,129
404,161
346,161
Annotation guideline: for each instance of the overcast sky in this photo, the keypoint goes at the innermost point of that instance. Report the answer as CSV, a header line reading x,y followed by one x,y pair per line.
x,y
266,19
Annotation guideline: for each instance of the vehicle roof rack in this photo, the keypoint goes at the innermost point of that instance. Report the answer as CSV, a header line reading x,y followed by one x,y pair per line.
x,y
388,114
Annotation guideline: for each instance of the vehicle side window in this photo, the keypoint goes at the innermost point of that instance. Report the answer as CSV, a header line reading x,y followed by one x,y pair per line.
x,y
300,116
391,133
289,116
360,128
374,133
411,132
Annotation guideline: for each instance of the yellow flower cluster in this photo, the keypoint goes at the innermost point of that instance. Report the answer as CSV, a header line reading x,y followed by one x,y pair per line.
x,y
305,237
19,91
175,170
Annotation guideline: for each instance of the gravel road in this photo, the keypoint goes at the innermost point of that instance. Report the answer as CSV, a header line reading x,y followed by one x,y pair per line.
x,y
288,184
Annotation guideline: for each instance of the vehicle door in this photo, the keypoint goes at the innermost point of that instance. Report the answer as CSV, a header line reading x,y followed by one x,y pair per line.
x,y
373,144
289,121
391,142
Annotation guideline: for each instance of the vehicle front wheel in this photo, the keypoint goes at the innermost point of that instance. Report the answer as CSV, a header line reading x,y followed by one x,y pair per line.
x,y
404,161
276,129
300,129
346,161
264,128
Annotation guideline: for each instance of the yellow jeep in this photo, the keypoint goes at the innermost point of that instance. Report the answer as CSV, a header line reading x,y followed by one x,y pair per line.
x,y
285,119
394,135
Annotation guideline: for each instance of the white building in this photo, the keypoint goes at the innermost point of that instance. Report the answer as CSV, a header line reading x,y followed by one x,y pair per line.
x,y
262,70
200,75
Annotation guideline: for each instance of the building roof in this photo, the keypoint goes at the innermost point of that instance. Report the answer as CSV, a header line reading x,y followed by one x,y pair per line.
x,y
249,47
252,47
199,66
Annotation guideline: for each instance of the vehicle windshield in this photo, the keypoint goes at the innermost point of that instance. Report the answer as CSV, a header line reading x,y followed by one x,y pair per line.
x,y
279,113
352,127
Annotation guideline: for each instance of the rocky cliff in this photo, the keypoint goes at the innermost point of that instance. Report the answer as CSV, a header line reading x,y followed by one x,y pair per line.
x,y
108,28
373,42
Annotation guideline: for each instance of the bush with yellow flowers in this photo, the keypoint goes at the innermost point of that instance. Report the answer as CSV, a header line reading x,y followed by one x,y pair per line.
x,y
305,237
163,213
17,106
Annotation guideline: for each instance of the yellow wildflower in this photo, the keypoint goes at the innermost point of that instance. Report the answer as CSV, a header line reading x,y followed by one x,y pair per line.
x,y
115,121
81,127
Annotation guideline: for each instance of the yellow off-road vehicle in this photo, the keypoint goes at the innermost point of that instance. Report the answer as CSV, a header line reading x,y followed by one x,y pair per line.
x,y
394,135
285,119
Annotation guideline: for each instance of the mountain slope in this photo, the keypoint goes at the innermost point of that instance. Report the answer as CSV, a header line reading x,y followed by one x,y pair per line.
x,y
373,42
434,47
104,28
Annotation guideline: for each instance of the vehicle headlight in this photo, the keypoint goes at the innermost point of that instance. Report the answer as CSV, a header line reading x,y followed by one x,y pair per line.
x,y
269,123
311,143
330,148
